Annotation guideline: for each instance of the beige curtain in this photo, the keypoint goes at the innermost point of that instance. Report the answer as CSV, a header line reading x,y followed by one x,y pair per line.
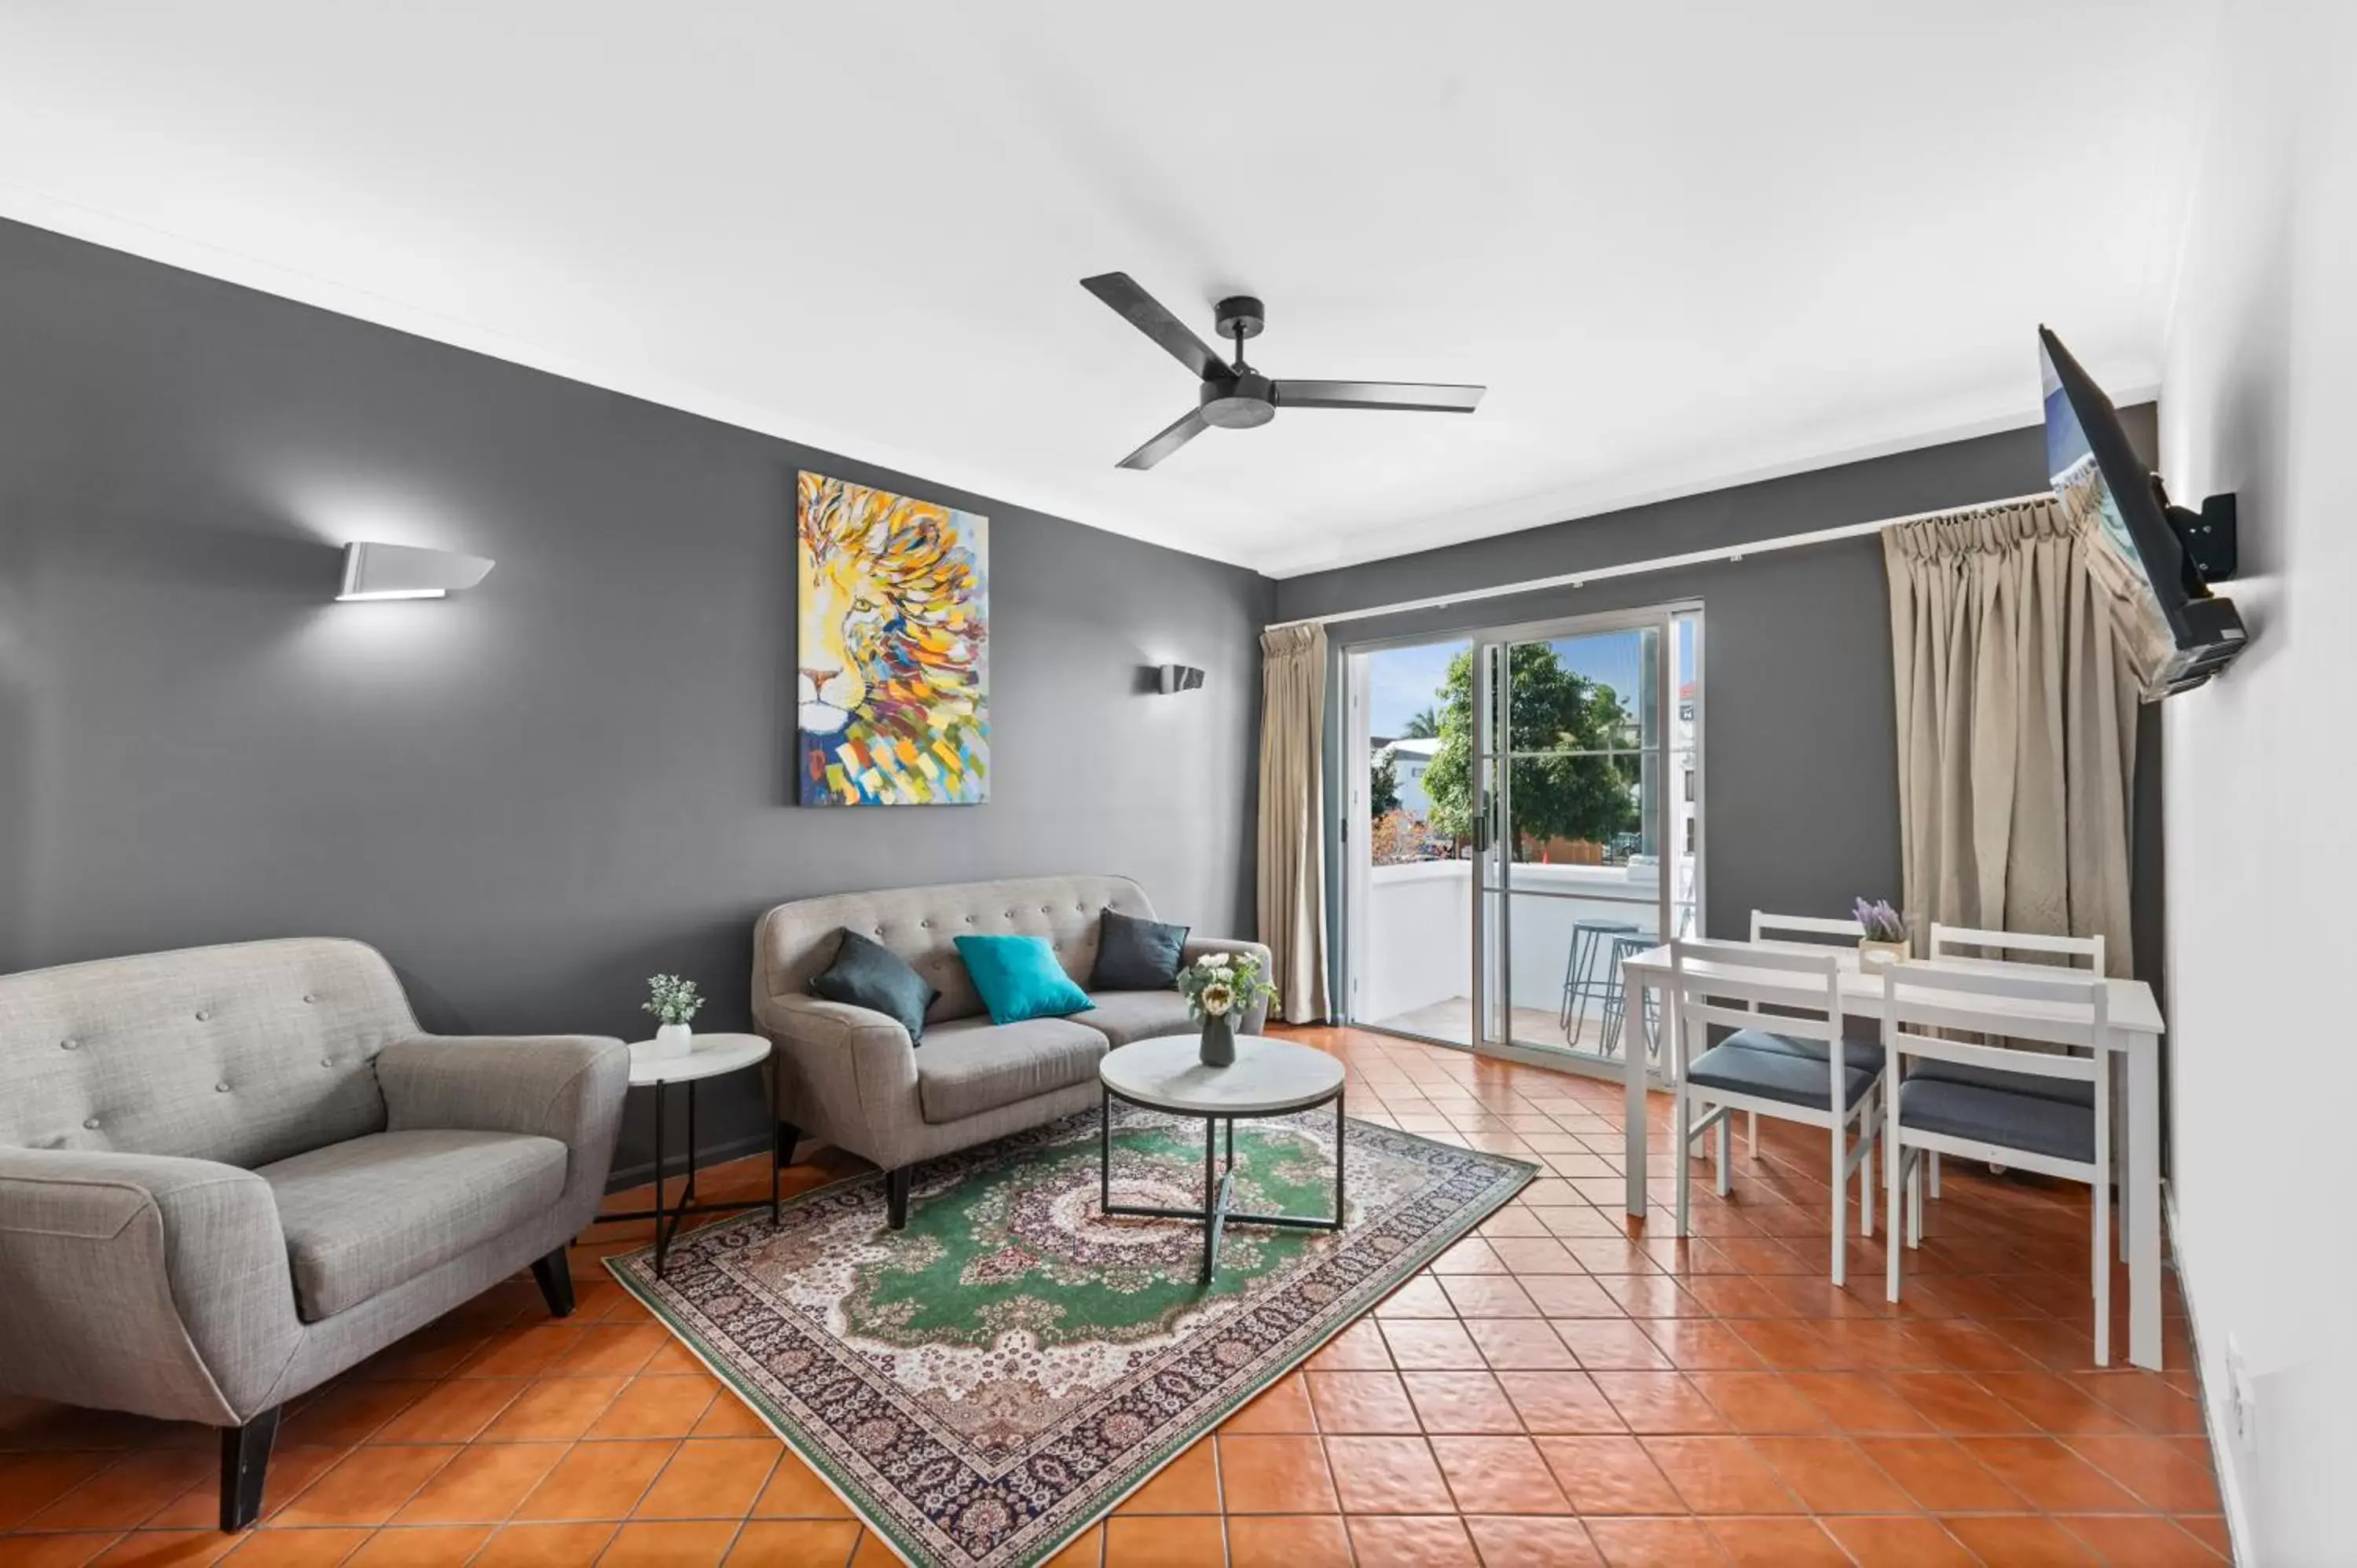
x,y
2016,727
1292,816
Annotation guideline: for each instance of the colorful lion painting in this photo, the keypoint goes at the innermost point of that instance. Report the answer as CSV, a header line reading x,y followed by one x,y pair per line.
x,y
893,650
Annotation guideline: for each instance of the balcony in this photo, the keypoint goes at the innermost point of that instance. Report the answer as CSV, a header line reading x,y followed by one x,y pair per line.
x,y
1417,960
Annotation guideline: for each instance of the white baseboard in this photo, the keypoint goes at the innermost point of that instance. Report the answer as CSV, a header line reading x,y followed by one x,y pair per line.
x,y
2225,1456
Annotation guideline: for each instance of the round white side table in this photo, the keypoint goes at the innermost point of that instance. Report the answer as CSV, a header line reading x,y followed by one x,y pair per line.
x,y
712,1056
1268,1077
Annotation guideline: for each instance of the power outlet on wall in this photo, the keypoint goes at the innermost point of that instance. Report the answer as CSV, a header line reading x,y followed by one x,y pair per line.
x,y
2241,1400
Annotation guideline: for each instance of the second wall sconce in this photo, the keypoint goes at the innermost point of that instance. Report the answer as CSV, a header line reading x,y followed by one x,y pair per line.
x,y
407,572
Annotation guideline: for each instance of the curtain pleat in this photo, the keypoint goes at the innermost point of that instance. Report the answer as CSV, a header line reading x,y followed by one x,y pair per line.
x,y
1292,817
2016,728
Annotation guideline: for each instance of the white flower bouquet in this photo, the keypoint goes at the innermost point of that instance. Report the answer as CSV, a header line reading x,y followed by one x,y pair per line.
x,y
1223,987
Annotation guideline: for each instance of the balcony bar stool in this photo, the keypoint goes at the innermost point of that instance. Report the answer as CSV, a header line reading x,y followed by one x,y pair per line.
x,y
1579,973
1624,947
1843,930
1791,1075
1927,1115
1971,945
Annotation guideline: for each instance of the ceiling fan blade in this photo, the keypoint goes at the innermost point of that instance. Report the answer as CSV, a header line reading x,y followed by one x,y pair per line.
x,y
1179,431
1147,314
1424,396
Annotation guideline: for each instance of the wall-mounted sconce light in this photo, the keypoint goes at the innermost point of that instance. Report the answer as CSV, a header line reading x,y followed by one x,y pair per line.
x,y
407,572
1181,677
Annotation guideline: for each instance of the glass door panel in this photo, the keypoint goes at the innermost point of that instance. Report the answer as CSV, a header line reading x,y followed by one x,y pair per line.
x,y
1407,885
1582,747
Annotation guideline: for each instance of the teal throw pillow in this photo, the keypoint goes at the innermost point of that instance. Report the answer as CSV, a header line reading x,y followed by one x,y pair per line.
x,y
1019,978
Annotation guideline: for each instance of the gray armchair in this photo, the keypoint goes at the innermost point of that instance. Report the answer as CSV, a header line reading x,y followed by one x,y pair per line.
x,y
852,1078
228,1174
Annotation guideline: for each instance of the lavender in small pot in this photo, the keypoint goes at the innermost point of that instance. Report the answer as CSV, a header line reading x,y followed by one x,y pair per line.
x,y
1885,940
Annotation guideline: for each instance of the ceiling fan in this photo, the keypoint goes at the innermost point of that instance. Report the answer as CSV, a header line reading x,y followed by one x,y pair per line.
x,y
1237,397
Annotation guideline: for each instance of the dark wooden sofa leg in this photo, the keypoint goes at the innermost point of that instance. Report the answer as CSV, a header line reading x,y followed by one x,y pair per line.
x,y
896,1194
244,1461
555,1281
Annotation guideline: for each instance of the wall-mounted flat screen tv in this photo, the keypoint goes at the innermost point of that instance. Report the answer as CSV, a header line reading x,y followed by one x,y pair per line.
x,y
2177,633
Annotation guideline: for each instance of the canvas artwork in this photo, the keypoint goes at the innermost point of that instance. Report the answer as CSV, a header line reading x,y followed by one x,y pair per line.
x,y
894,679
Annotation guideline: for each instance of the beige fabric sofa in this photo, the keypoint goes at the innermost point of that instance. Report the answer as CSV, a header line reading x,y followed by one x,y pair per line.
x,y
851,1077
228,1174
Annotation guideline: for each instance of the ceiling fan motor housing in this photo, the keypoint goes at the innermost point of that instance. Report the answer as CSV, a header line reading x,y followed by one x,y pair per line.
x,y
1240,403
1240,315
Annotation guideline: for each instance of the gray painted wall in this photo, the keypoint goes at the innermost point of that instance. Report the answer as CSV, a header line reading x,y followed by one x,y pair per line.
x,y
535,795
1801,808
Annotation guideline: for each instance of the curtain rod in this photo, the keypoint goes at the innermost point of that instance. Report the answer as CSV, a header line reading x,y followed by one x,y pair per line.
x,y
1658,563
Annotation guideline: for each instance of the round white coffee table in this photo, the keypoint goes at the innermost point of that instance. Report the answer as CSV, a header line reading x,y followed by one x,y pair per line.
x,y
1268,1077
711,1056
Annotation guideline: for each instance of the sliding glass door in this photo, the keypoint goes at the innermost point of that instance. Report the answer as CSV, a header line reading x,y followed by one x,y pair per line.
x,y
1539,822
1587,742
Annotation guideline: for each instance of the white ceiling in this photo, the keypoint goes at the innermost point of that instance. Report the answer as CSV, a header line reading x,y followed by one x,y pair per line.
x,y
1681,243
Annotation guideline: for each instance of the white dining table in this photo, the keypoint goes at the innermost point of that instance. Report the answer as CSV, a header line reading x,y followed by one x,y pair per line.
x,y
2135,1034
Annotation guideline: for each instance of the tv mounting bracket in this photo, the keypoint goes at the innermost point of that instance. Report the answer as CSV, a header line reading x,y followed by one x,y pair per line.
x,y
2207,536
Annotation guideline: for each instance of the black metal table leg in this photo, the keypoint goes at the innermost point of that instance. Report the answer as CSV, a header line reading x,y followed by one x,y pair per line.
x,y
1339,1122
669,1215
1219,1184
661,1244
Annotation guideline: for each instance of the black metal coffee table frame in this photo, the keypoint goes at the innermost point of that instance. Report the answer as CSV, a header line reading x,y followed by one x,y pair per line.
x,y
1219,1181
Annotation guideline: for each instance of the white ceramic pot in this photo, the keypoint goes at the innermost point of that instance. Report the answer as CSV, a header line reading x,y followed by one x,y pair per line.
x,y
675,1040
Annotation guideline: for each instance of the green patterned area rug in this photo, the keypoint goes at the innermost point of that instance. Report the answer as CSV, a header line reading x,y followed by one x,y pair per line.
x,y
989,1381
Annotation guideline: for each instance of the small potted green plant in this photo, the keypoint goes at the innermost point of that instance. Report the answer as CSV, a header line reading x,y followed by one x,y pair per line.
x,y
1885,940
1219,989
675,1003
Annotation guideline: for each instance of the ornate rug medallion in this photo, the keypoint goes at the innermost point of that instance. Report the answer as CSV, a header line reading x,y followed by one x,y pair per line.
x,y
985,1383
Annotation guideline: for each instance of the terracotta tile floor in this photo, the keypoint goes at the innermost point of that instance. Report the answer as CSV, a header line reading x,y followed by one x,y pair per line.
x,y
1549,1393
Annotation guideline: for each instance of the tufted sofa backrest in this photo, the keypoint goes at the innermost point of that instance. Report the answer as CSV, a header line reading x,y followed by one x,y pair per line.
x,y
795,941
243,1054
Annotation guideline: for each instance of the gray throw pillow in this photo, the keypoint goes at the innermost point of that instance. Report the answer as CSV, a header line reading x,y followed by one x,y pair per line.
x,y
1135,954
866,974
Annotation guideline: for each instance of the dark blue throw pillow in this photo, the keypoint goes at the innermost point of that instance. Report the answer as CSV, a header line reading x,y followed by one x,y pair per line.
x,y
1137,955
866,974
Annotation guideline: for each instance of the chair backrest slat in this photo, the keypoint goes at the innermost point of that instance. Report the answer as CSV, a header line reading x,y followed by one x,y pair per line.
x,y
2043,1064
1763,924
1946,939
1809,1009
1697,1011
2059,1007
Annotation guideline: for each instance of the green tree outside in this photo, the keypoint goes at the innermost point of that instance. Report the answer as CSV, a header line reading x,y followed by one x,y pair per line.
x,y
1383,791
1554,710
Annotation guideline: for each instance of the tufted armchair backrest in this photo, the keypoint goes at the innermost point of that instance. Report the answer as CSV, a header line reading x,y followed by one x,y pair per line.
x,y
795,941
243,1054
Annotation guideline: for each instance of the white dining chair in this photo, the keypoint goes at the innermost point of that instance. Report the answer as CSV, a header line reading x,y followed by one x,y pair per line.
x,y
1982,945
1983,1118
1790,1074
1810,932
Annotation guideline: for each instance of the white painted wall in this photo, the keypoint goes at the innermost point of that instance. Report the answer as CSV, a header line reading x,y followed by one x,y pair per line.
x,y
2260,397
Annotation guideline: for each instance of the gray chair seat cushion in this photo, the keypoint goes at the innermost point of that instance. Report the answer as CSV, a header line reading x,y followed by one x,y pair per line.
x,y
2026,1121
2068,1091
360,1217
972,1065
1776,1075
1126,1016
1865,1054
